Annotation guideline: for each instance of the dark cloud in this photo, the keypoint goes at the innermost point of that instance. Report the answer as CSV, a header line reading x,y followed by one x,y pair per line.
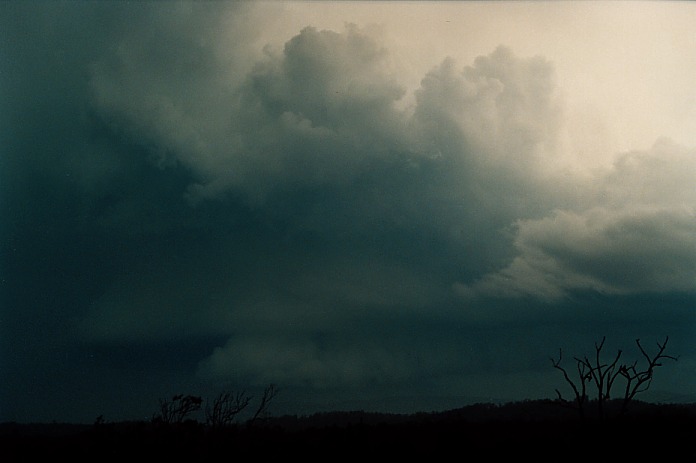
x,y
313,115
184,208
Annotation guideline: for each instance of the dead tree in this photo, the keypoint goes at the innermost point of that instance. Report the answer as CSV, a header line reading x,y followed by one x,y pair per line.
x,y
176,410
601,377
638,381
268,394
225,407
579,389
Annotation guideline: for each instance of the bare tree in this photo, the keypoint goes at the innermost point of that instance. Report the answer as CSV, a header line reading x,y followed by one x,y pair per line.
x,y
638,381
178,408
579,389
225,407
268,394
601,377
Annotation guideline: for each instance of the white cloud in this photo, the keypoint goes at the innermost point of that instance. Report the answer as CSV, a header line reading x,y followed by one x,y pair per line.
x,y
635,232
506,108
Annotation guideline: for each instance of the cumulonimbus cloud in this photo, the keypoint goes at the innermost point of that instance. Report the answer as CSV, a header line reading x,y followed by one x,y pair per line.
x,y
473,171
323,112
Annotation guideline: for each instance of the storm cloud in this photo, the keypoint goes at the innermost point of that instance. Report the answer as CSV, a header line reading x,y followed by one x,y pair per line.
x,y
193,201
634,233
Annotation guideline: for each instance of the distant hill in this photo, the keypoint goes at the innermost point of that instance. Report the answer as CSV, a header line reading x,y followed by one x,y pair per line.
x,y
521,411
543,428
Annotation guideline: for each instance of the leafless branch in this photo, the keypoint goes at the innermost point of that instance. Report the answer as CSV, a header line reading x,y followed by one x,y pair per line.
x,y
225,407
268,394
603,376
178,408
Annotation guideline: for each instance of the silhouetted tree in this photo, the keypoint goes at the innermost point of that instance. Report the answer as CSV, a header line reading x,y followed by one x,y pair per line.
x,y
178,408
638,381
601,377
268,394
225,407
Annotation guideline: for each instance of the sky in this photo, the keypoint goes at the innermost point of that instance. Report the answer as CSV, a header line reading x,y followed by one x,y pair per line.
x,y
381,206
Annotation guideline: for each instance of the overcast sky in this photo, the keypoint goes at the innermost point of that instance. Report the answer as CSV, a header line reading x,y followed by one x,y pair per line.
x,y
376,205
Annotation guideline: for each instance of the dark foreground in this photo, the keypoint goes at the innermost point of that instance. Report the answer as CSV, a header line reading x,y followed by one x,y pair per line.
x,y
482,431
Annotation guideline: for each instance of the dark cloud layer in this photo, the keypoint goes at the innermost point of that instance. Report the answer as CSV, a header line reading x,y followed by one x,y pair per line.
x,y
184,209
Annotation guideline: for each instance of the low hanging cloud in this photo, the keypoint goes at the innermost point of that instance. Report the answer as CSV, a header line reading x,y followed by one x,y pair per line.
x,y
295,361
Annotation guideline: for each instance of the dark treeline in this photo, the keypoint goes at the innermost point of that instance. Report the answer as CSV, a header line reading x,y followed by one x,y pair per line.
x,y
543,429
